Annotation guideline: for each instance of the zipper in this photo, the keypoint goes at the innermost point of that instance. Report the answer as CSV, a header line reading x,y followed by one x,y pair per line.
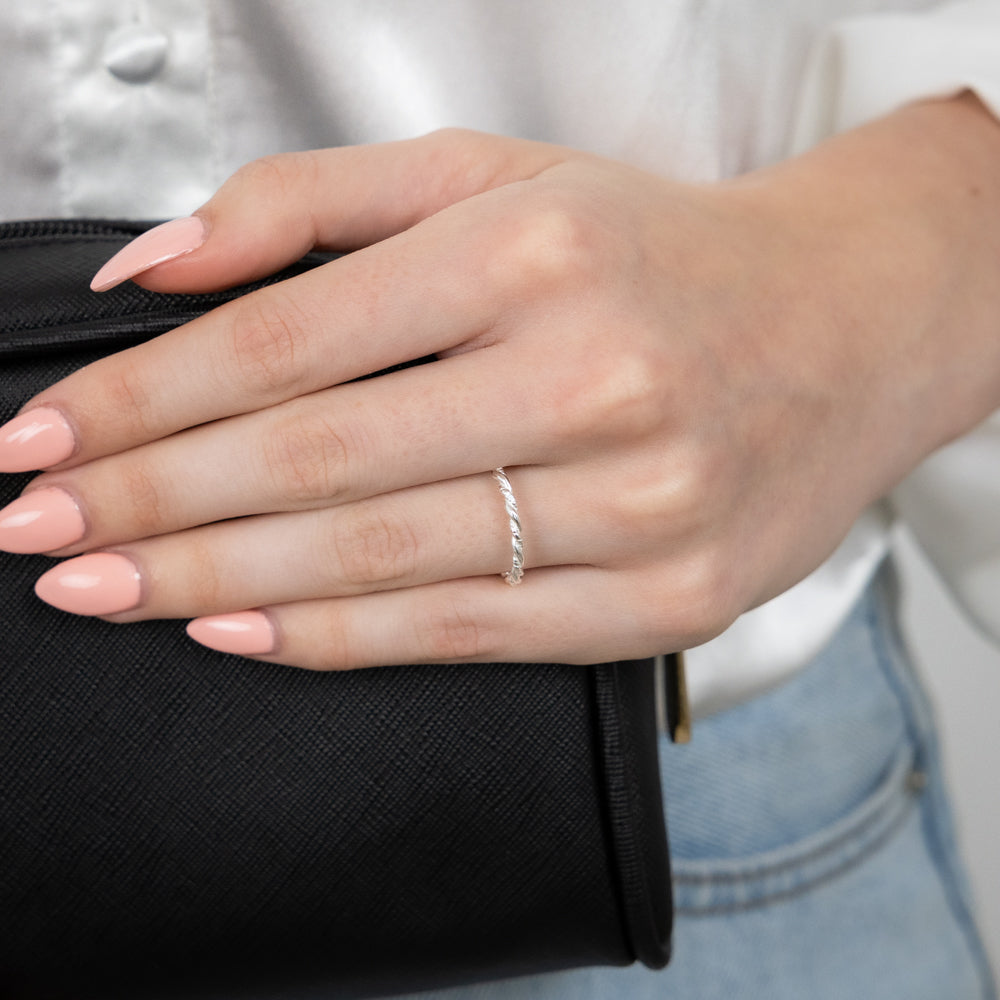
x,y
116,320
71,229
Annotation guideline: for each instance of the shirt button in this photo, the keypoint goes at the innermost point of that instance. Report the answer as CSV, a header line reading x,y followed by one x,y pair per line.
x,y
135,53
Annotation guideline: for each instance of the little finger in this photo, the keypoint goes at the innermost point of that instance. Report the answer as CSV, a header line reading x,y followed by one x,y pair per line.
x,y
571,614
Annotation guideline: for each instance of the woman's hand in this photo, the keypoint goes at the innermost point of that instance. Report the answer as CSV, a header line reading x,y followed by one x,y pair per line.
x,y
694,391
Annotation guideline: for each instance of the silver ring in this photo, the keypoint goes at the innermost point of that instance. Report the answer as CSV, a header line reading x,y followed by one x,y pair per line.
x,y
516,572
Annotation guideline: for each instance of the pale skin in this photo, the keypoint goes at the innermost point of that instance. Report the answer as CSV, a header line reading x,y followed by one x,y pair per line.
x,y
695,389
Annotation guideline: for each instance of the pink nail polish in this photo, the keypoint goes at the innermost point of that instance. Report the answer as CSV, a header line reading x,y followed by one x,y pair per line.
x,y
165,242
41,520
36,439
248,633
101,583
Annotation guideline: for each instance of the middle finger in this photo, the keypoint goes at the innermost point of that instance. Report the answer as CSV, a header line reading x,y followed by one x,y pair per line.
x,y
440,421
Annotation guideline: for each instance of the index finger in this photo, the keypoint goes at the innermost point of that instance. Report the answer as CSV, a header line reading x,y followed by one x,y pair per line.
x,y
347,319
418,292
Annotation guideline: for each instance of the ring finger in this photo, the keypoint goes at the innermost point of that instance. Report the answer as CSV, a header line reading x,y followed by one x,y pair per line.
x,y
441,531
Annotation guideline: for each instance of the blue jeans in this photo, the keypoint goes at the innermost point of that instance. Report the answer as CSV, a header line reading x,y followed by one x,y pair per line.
x,y
813,850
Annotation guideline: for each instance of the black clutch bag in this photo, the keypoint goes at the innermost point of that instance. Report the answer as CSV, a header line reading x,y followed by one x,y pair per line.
x,y
180,823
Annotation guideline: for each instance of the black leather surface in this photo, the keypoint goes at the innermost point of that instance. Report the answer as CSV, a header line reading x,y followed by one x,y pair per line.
x,y
175,822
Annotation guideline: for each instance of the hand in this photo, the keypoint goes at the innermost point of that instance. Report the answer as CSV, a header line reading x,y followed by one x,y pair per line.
x,y
694,390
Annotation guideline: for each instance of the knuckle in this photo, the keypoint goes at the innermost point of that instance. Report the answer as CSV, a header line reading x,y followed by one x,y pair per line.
x,y
124,391
445,143
640,511
620,398
331,646
142,492
551,246
205,588
267,335
687,498
453,135
451,633
689,586
693,488
307,458
277,177
611,401
700,597
376,549
459,155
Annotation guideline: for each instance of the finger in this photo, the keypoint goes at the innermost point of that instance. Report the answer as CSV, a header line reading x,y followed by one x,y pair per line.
x,y
398,301
447,420
274,210
565,614
441,531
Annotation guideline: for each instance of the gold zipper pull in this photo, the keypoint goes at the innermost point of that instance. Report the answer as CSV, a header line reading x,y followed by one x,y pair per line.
x,y
673,709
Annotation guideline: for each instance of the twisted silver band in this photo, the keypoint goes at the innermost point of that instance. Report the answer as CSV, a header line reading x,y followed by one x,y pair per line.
x,y
516,572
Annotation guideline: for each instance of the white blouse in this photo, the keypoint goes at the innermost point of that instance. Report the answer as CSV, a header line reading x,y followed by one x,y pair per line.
x,y
140,108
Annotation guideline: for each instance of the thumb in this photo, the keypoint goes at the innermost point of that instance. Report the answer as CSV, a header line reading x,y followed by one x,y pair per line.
x,y
274,210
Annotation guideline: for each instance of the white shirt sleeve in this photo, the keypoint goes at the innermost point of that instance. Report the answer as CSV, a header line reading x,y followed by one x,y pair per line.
x,y
867,66
863,68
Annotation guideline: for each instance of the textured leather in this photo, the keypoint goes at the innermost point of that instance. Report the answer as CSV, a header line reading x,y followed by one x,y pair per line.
x,y
176,822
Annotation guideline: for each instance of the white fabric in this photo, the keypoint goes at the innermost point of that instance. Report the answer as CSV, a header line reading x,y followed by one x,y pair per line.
x,y
860,69
867,66
140,108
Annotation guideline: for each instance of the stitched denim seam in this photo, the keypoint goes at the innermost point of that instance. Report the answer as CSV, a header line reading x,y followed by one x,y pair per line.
x,y
877,621
765,871
893,801
849,863
891,656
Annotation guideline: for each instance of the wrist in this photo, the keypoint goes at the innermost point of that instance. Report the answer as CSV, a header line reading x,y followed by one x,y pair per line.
x,y
891,234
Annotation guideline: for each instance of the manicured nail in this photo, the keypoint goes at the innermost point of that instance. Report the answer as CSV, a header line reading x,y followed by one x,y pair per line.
x,y
101,583
248,633
35,440
165,242
40,521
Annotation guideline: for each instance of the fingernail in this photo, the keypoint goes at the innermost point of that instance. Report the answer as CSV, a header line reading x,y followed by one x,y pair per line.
x,y
35,440
164,242
248,633
40,521
101,583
